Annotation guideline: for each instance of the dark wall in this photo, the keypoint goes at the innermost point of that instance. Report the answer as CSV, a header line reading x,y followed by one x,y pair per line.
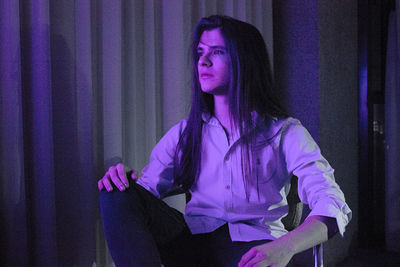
x,y
296,59
338,73
315,46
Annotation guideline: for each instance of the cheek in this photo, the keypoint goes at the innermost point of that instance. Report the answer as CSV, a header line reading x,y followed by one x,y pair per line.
x,y
226,67
225,72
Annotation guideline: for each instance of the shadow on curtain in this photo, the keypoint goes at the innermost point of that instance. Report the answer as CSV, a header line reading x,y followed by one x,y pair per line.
x,y
83,85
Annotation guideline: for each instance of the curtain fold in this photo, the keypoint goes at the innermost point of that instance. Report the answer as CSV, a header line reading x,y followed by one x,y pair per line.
x,y
85,85
37,124
12,186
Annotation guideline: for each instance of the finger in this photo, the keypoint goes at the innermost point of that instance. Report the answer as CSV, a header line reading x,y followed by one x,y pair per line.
x,y
122,175
258,260
100,185
115,178
247,257
134,175
106,182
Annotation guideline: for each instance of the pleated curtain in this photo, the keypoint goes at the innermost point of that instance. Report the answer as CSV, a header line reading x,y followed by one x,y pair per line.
x,y
84,85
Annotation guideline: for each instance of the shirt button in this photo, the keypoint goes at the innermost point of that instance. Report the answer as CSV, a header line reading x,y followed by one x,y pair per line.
x,y
228,187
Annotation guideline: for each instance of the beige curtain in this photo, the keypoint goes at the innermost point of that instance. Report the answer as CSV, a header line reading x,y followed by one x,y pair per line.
x,y
144,59
86,84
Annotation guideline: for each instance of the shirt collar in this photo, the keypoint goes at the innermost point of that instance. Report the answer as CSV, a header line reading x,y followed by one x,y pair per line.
x,y
268,126
271,124
209,119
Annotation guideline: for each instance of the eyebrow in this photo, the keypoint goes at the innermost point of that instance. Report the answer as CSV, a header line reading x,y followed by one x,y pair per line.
x,y
211,46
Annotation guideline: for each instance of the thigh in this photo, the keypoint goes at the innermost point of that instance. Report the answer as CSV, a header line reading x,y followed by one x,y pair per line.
x,y
226,252
188,251
206,250
176,245
137,224
164,222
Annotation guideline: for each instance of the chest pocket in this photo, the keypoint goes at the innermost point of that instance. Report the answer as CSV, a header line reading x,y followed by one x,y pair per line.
x,y
264,162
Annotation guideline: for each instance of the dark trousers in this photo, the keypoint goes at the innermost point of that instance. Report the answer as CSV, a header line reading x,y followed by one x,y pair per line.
x,y
141,230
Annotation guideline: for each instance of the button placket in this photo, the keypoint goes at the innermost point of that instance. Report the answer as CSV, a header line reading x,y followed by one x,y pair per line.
x,y
227,182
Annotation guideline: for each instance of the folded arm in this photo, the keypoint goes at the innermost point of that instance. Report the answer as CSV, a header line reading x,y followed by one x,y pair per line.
x,y
317,188
313,231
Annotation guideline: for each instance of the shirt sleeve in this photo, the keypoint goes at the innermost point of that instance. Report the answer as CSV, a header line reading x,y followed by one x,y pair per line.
x,y
316,182
157,176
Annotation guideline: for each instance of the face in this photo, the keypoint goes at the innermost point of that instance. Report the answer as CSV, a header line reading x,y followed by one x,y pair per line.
x,y
214,63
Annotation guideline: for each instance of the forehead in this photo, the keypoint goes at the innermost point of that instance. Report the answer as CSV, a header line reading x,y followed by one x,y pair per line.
x,y
212,38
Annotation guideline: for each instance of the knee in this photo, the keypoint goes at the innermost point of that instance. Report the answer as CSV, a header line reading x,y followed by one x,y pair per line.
x,y
118,207
112,205
113,198
118,201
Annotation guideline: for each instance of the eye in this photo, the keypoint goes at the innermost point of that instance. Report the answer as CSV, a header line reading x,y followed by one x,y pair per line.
x,y
218,52
199,51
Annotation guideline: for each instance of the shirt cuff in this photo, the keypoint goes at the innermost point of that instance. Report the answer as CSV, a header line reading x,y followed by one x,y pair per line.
x,y
334,209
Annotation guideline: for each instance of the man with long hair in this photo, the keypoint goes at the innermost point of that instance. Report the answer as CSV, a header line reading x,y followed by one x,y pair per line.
x,y
234,157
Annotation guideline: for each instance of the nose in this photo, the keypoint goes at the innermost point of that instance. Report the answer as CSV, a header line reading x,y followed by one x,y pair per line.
x,y
205,61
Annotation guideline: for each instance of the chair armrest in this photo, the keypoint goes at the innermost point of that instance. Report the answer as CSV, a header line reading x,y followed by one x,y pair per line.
x,y
318,252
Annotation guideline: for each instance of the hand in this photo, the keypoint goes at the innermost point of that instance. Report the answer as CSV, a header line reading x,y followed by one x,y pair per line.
x,y
117,176
276,253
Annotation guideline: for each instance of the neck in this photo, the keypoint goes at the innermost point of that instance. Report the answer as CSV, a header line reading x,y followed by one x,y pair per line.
x,y
221,111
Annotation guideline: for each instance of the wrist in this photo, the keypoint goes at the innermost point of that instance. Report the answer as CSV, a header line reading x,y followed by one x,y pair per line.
x,y
310,233
288,244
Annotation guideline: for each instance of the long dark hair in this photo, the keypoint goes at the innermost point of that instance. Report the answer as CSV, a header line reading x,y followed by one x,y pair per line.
x,y
251,89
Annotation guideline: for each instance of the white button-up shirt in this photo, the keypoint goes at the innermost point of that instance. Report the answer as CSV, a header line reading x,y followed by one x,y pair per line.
x,y
283,148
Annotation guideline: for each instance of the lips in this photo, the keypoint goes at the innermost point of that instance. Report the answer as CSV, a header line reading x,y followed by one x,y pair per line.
x,y
206,76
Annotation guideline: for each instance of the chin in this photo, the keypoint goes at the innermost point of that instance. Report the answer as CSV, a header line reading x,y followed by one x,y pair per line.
x,y
207,90
214,90
211,91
